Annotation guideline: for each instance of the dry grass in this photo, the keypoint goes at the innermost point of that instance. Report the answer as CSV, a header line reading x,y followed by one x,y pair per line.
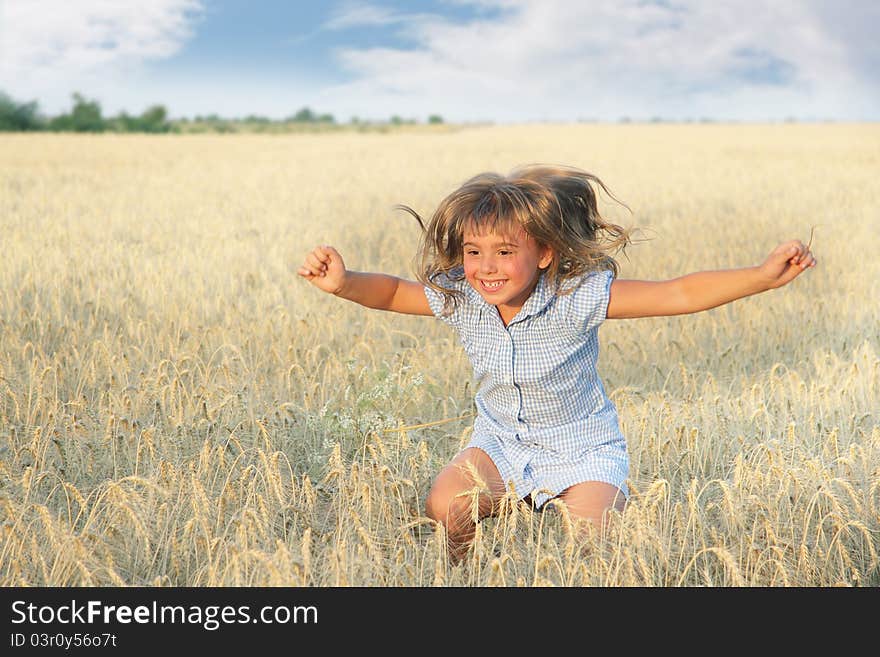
x,y
176,408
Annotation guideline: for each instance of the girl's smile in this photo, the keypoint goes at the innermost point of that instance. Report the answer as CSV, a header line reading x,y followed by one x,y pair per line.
x,y
491,286
504,267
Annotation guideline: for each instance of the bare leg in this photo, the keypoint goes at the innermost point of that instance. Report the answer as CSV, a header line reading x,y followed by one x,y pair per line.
x,y
452,494
591,501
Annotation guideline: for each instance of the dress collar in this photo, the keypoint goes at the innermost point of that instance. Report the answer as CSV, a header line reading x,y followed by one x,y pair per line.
x,y
540,297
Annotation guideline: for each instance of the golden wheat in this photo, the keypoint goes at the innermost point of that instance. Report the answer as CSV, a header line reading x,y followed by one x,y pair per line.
x,y
178,409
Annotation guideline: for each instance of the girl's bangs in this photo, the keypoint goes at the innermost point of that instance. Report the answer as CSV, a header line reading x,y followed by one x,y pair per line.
x,y
490,216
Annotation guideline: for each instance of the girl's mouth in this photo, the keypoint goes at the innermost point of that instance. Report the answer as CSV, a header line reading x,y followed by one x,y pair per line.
x,y
491,286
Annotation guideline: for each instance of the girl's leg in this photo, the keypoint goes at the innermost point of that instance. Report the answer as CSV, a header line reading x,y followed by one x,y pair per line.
x,y
451,497
591,501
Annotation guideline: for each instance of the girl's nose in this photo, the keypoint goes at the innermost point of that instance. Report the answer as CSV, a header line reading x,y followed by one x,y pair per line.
x,y
487,264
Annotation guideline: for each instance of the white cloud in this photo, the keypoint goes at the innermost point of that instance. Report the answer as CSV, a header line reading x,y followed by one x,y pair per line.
x,y
559,59
49,47
354,14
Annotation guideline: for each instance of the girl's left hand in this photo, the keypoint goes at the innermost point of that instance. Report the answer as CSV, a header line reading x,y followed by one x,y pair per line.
x,y
786,262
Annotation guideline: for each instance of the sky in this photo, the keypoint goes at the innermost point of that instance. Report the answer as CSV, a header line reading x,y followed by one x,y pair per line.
x,y
502,61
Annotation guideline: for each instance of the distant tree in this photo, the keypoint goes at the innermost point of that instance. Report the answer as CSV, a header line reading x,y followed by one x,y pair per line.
x,y
122,122
84,117
18,116
305,115
435,119
396,120
154,119
60,123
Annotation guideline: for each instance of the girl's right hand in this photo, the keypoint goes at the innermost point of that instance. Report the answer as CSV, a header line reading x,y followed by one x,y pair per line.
x,y
325,269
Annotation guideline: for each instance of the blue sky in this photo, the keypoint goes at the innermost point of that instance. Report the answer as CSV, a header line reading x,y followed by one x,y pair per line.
x,y
468,60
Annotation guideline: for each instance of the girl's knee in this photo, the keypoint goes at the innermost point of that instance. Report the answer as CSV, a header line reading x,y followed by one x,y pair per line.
x,y
436,506
450,509
594,501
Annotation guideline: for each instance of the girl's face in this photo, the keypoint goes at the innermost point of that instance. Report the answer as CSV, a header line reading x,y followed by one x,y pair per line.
x,y
504,267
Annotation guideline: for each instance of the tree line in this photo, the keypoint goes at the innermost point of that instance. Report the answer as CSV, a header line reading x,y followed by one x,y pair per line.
x,y
86,116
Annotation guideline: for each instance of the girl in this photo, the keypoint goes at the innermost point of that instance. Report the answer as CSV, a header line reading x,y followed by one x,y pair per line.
x,y
521,267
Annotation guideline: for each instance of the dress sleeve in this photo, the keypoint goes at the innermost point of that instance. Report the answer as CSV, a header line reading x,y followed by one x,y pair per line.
x,y
587,304
436,300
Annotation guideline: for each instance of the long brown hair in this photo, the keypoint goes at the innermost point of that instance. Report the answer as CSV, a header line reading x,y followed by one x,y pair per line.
x,y
555,205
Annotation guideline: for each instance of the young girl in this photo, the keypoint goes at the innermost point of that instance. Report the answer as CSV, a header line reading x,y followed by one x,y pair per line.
x,y
521,267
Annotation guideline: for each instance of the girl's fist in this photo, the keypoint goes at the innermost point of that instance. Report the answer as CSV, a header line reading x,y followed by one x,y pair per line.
x,y
324,268
786,261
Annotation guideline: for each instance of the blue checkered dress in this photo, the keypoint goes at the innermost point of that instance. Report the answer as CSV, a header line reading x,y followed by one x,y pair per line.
x,y
542,413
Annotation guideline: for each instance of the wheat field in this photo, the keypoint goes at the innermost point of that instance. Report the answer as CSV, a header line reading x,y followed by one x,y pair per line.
x,y
178,408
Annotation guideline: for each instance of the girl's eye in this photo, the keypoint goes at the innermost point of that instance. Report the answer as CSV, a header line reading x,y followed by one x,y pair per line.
x,y
504,253
471,253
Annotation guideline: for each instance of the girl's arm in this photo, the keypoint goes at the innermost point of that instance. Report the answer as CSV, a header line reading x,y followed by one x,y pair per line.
x,y
708,289
325,269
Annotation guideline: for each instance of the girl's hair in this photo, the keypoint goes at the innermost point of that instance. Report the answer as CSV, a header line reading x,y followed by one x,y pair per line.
x,y
554,204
